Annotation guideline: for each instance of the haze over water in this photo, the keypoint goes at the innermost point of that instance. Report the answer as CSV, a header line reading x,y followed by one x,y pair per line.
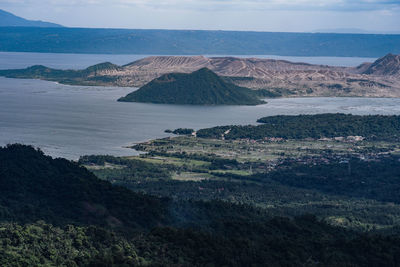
x,y
69,121
15,60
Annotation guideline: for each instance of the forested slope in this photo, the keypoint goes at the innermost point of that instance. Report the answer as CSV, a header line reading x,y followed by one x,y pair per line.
x,y
54,212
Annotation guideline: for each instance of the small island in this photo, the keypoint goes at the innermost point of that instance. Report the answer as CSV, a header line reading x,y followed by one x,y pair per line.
x,y
202,87
86,77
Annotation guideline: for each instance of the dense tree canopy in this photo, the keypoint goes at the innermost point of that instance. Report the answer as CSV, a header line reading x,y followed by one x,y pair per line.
x,y
53,212
202,87
376,127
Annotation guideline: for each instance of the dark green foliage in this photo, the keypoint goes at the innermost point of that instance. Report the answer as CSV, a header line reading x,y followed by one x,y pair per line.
x,y
189,42
185,233
291,190
219,131
373,127
101,160
233,242
375,179
36,187
267,93
42,244
216,162
100,67
126,170
278,242
183,131
73,77
202,87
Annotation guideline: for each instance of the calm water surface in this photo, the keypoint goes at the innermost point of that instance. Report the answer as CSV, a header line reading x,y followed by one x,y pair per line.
x,y
11,60
69,121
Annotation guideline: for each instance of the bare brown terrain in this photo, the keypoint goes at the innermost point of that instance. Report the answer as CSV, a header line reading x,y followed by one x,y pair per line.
x,y
277,77
377,79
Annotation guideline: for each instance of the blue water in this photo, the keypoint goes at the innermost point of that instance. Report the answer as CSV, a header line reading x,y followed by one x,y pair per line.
x,y
14,60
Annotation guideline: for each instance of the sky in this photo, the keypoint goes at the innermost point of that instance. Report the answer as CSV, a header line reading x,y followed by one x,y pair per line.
x,y
369,16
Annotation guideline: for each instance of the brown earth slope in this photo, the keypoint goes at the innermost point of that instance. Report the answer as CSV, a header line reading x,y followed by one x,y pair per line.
x,y
281,78
377,79
387,65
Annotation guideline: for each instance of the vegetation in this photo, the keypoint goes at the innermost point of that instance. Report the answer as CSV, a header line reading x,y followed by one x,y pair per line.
x,y
374,127
253,176
370,179
71,77
272,150
356,200
42,244
36,187
202,87
237,242
124,170
210,202
183,131
43,224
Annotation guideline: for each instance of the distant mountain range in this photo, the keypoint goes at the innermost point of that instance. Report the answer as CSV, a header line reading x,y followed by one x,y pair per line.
x,y
275,77
8,19
354,31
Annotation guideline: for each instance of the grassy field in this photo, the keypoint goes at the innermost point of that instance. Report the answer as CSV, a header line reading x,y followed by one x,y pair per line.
x,y
190,168
252,151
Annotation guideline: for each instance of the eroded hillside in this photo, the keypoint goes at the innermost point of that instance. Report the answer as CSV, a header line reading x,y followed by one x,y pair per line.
x,y
283,78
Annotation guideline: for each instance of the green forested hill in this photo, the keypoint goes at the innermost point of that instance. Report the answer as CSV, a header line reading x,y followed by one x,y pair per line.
x,y
55,213
202,87
73,77
36,187
377,127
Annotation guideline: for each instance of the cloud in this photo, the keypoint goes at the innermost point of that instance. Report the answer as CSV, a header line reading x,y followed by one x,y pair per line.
x,y
245,5
261,15
328,5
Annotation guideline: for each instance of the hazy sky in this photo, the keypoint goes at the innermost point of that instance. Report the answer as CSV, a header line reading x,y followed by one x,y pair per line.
x,y
259,15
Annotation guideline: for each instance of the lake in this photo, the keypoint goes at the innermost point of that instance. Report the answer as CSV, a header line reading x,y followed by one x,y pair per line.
x,y
15,60
69,121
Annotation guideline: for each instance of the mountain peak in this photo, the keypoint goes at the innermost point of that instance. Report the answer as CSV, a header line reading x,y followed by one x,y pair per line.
x,y
387,65
205,70
201,87
8,19
102,67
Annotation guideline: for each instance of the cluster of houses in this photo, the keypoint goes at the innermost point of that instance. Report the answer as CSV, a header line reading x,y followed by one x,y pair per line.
x,y
351,138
